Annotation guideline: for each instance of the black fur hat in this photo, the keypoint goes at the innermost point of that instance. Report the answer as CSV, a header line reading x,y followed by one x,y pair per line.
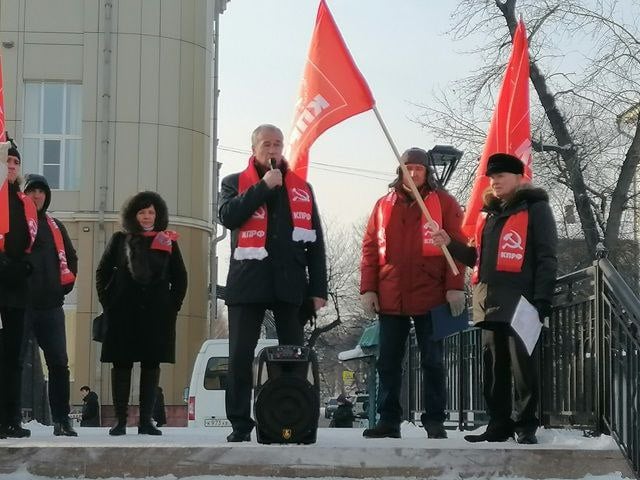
x,y
144,200
504,162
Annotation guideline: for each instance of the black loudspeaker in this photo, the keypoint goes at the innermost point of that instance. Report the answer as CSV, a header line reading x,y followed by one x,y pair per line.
x,y
287,395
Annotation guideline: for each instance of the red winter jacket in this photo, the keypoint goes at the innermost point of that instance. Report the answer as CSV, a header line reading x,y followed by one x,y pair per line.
x,y
408,283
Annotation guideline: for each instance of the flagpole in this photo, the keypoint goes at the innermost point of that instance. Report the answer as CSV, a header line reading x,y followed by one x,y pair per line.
x,y
406,176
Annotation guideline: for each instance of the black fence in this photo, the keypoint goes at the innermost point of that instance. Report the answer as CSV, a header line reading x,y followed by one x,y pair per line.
x,y
589,363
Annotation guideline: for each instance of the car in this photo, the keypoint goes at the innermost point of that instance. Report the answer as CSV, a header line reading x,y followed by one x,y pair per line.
x,y
330,408
360,405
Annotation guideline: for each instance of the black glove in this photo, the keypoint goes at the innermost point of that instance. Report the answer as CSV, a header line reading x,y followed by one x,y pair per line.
x,y
544,309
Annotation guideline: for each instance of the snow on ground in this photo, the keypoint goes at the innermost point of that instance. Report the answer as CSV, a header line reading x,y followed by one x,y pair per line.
x,y
328,438
330,443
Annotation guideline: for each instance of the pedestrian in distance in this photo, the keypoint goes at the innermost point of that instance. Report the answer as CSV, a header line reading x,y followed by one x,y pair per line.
x,y
278,261
403,276
141,282
343,417
15,268
513,255
55,265
90,408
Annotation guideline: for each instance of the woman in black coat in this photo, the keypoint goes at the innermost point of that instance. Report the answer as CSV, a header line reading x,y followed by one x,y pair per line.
x,y
514,256
141,282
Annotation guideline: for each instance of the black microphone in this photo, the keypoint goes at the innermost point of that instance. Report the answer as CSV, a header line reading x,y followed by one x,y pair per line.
x,y
273,163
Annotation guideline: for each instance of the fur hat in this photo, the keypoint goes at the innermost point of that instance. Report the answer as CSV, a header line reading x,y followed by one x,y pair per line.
x,y
504,162
144,200
416,155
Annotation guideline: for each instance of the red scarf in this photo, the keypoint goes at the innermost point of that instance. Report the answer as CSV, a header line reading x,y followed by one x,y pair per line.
x,y
31,214
513,242
163,240
66,276
252,238
432,202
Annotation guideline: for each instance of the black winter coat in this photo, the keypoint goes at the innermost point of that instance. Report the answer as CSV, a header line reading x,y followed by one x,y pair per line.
x,y
141,317
497,294
14,262
292,270
90,411
45,289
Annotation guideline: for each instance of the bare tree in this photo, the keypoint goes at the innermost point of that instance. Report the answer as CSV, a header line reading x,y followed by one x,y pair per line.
x,y
339,325
585,70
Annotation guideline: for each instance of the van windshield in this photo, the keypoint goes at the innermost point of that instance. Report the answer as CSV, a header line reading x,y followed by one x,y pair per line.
x,y
215,375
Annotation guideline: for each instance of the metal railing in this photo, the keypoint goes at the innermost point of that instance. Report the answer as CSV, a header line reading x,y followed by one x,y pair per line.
x,y
589,363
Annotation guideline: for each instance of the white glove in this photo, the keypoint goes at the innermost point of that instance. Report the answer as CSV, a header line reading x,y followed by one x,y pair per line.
x,y
457,301
369,303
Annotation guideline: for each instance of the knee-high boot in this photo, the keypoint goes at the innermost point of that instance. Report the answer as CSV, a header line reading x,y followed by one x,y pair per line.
x,y
120,385
149,379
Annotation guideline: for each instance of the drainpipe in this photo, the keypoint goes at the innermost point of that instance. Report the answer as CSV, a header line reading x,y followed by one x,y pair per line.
x,y
103,163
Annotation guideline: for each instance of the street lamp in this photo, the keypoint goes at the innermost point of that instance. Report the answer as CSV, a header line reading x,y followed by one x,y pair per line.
x,y
443,160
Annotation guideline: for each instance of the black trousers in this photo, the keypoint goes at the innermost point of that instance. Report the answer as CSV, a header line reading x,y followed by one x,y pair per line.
x,y
394,331
505,356
245,322
11,361
48,329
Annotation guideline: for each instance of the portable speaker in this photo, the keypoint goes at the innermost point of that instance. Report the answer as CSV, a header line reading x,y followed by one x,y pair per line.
x,y
287,395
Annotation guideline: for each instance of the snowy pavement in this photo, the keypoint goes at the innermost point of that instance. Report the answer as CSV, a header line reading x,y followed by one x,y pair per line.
x,y
203,453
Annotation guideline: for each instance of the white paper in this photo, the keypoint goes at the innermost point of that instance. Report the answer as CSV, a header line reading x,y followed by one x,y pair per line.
x,y
526,324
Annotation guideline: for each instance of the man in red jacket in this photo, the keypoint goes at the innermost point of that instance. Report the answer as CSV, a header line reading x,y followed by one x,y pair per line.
x,y
403,276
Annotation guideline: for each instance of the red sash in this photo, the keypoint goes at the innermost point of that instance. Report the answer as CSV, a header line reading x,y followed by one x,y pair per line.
x,y
31,214
66,276
162,240
513,242
432,202
252,238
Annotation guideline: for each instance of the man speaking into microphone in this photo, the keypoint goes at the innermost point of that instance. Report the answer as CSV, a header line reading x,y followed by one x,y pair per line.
x,y
277,261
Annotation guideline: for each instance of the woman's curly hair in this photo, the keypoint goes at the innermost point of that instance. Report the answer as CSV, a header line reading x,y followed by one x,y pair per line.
x,y
144,200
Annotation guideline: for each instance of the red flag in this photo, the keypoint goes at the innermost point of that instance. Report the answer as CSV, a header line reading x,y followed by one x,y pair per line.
x,y
332,90
4,186
510,129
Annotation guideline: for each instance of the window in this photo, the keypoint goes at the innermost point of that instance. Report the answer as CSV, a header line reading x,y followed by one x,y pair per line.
x,y
52,139
215,375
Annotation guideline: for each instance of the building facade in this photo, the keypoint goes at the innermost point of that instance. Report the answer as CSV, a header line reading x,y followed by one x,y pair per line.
x,y
107,98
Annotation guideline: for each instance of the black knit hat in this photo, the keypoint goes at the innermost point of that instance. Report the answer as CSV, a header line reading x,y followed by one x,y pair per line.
x,y
13,149
504,162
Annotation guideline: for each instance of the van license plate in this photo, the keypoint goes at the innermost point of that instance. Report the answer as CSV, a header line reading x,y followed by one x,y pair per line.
x,y
216,422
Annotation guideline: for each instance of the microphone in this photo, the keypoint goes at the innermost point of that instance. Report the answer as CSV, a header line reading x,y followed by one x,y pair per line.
x,y
273,163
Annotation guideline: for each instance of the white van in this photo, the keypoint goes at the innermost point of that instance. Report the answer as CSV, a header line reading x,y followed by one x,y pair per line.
x,y
208,382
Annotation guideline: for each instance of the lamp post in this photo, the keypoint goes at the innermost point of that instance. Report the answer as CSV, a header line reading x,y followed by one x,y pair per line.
x,y
218,8
443,160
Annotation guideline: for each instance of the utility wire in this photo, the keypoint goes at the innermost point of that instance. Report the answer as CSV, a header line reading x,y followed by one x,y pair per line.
x,y
328,167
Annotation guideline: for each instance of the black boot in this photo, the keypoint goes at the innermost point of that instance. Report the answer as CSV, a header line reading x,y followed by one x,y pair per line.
x,y
382,430
59,401
64,429
120,386
149,380
493,433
